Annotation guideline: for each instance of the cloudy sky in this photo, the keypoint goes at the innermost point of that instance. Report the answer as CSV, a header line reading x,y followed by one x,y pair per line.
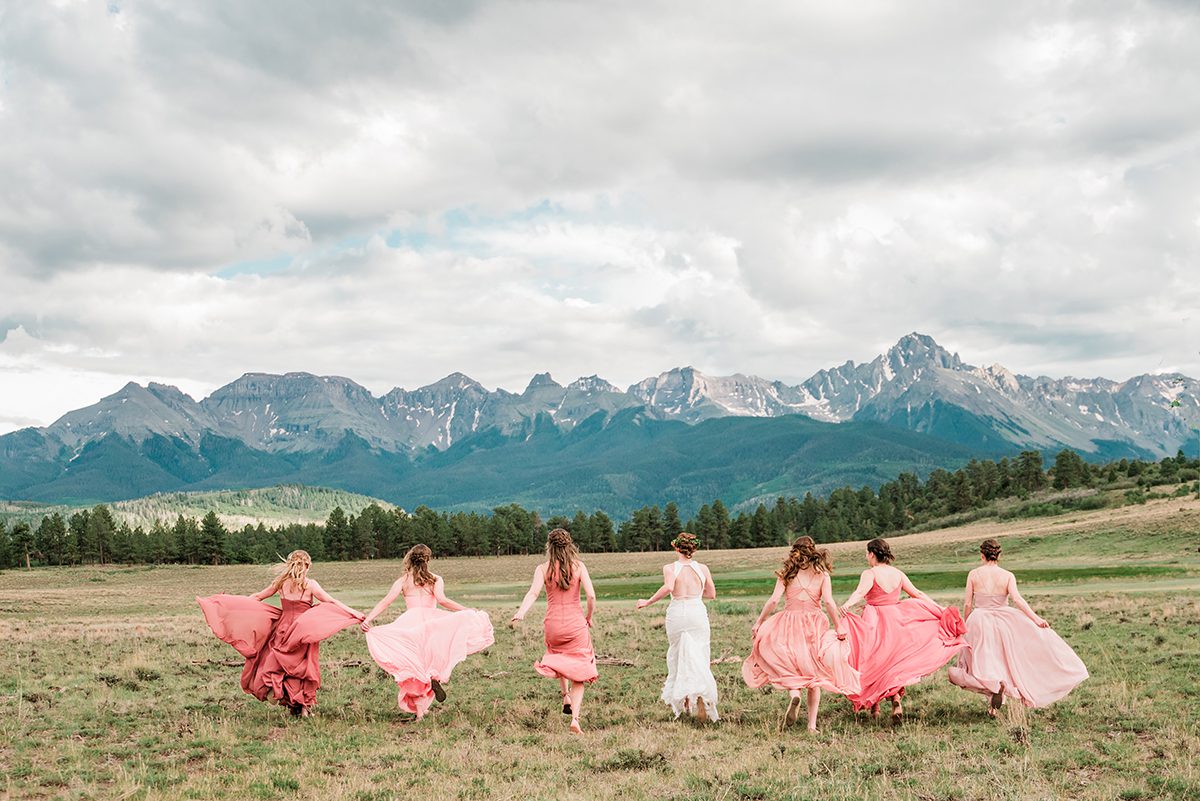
x,y
193,191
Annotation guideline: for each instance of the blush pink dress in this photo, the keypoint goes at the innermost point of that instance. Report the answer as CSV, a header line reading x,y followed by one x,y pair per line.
x,y
1034,664
281,645
569,653
797,650
896,643
426,643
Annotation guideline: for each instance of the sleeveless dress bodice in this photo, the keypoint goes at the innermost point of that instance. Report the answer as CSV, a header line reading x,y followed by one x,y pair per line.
x,y
801,598
678,568
990,601
419,598
877,596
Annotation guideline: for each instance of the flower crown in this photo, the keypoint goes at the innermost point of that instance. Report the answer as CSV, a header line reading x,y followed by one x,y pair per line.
x,y
691,539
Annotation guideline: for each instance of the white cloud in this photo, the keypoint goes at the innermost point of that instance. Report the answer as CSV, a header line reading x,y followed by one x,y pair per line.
x,y
768,191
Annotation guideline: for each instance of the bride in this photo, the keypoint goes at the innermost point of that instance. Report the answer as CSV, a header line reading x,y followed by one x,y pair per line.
x,y
690,686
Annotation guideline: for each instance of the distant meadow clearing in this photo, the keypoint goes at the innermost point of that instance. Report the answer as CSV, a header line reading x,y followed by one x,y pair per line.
x,y
111,686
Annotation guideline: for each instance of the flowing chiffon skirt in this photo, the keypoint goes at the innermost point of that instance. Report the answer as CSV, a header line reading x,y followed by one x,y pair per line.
x,y
898,644
426,643
1034,664
281,646
797,650
689,673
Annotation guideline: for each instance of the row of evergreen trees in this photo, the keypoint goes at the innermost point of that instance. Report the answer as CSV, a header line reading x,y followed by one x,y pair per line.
x,y
95,537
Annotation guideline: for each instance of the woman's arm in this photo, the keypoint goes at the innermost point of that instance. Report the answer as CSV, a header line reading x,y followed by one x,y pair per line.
x,y
912,591
269,590
661,592
860,592
710,586
324,597
969,595
384,603
831,607
769,606
535,589
1021,604
439,593
586,581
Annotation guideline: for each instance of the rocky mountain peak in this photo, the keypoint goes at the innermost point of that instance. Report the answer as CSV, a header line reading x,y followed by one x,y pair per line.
x,y
542,380
591,383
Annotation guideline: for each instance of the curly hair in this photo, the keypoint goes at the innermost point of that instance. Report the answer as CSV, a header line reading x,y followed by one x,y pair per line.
x,y
881,549
416,564
294,569
561,556
686,543
804,556
990,549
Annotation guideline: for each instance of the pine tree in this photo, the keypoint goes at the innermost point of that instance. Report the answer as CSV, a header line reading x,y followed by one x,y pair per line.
x,y
21,542
51,539
212,539
337,534
721,536
100,526
671,523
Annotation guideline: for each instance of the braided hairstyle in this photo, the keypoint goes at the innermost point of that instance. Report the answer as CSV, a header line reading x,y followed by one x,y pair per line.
x,y
561,555
990,549
294,569
416,565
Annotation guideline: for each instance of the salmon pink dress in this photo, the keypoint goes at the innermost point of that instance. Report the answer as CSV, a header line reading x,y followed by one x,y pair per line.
x,y
281,645
896,643
796,649
569,653
426,643
1034,664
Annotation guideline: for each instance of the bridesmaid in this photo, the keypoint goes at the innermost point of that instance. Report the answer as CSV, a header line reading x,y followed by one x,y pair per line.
x,y
420,648
896,643
281,646
569,656
796,650
689,675
1014,652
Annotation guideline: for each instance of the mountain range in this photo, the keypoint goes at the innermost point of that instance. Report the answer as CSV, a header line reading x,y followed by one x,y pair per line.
x,y
264,428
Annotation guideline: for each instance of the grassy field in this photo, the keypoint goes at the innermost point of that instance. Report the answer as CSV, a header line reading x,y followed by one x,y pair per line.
x,y
111,686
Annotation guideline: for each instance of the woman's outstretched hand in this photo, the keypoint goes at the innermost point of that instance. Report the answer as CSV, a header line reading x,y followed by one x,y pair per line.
x,y
365,626
512,624
643,603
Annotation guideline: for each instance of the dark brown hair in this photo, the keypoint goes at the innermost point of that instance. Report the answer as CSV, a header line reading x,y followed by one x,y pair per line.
x,y
881,549
416,564
990,549
561,555
804,555
686,543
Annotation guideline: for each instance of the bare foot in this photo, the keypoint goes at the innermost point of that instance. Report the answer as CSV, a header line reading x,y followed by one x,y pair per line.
x,y
793,711
575,727
996,702
897,710
875,710
701,710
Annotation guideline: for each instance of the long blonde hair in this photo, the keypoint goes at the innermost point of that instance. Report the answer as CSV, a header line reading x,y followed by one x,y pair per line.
x,y
561,555
416,565
294,569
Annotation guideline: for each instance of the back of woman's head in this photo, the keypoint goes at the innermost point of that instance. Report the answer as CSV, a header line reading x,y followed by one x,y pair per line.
x,y
686,543
416,565
561,554
295,569
882,551
804,556
990,549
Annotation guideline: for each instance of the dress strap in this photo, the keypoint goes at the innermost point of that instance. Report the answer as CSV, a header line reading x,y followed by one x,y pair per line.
x,y
677,566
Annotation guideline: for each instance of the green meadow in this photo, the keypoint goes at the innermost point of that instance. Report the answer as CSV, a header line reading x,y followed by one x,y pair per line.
x,y
111,686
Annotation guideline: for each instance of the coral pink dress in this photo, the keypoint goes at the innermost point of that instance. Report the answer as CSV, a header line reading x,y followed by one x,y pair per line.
x,y
796,650
282,646
569,653
426,643
1034,664
895,643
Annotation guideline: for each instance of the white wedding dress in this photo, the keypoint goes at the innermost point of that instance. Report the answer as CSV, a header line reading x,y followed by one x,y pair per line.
x,y
688,672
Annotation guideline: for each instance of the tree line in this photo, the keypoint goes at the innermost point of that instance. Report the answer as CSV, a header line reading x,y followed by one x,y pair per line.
x,y
95,536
